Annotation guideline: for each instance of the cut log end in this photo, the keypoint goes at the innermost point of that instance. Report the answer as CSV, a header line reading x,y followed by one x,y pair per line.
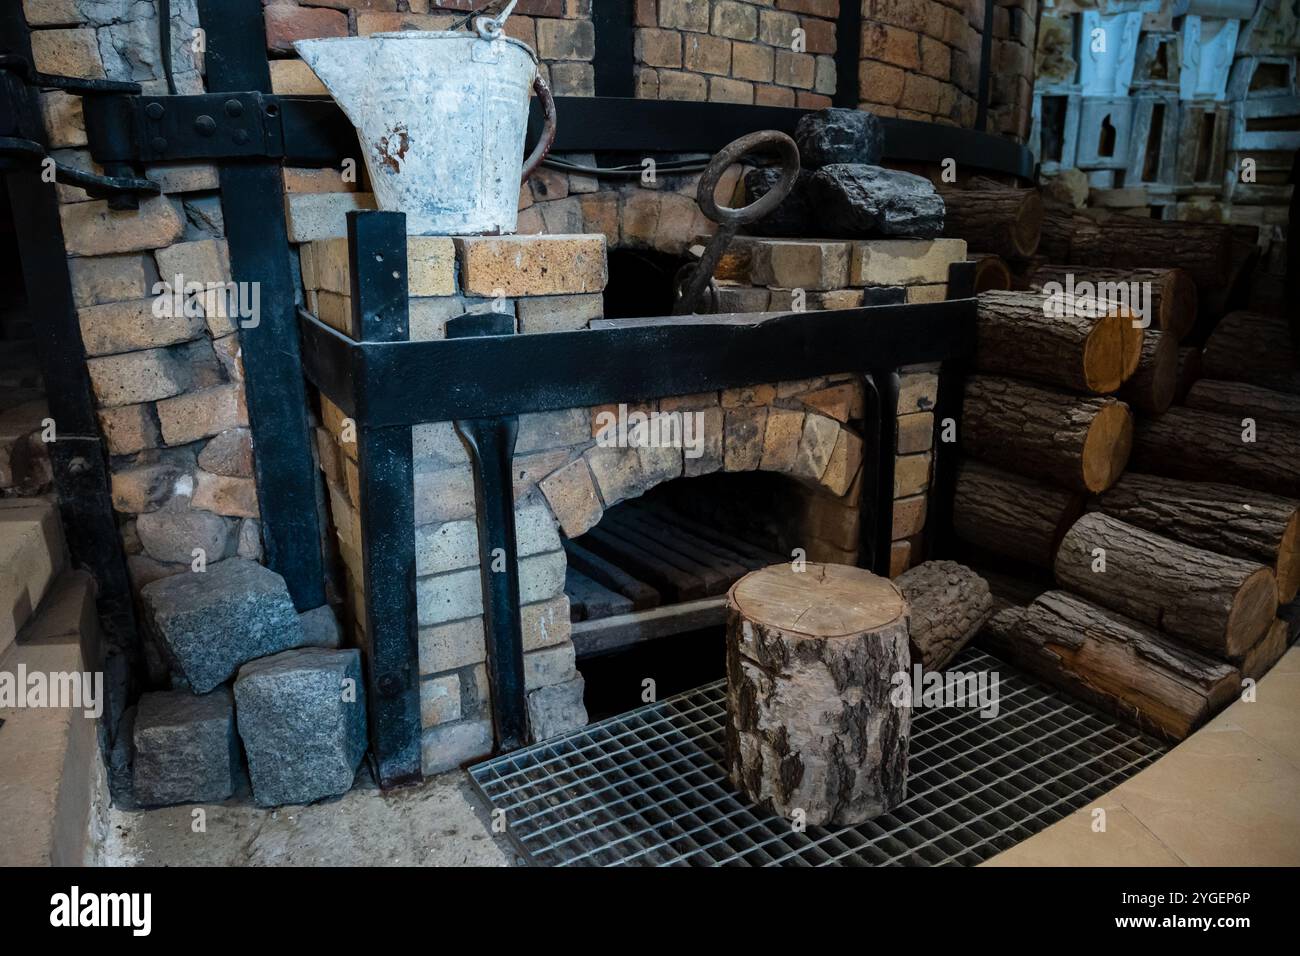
x,y
1106,449
1111,352
1253,607
822,601
1288,562
1028,228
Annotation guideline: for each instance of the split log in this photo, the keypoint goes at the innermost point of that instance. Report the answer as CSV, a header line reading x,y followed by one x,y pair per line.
x,y
1114,663
811,664
1172,302
1202,446
949,604
1010,515
1002,220
1189,371
1056,340
1221,604
1243,400
991,272
1203,249
1253,347
1152,387
1079,443
1259,660
1216,517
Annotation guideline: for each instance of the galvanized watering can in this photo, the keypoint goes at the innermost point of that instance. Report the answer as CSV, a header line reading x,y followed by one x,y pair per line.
x,y
441,117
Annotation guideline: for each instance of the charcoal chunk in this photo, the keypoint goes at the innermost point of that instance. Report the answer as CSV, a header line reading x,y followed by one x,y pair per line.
x,y
839,136
856,201
794,217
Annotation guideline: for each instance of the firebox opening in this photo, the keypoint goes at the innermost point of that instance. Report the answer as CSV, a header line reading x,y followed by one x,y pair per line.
x,y
640,283
647,585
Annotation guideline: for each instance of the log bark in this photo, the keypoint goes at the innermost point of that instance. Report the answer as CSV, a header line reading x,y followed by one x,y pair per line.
x,y
1204,250
1259,660
1172,304
1152,387
1002,220
812,659
991,272
1241,399
1056,340
1117,664
1203,446
1253,347
1189,371
1079,443
1057,231
1012,516
1217,517
1223,605
949,604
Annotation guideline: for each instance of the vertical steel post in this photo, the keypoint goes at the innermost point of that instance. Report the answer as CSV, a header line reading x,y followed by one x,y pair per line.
x,y
380,313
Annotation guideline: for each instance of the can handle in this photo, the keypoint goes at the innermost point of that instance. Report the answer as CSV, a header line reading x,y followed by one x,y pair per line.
x,y
544,144
490,28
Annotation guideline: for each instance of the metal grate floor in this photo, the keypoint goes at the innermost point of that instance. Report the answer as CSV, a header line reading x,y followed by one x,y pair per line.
x,y
649,787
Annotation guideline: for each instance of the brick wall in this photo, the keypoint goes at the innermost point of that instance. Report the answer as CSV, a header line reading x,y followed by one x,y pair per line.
x,y
169,387
768,52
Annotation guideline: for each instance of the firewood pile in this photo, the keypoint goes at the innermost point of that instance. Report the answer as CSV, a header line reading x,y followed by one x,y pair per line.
x,y
1153,479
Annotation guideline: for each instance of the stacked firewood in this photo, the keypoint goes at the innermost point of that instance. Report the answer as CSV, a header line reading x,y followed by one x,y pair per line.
x,y
1171,531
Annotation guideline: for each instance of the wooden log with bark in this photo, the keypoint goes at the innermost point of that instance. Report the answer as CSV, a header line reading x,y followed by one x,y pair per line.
x,y
1115,663
1079,443
1204,250
1171,305
1061,341
812,659
1003,220
1217,517
1242,399
1260,659
949,604
991,272
1253,347
1221,604
1057,231
1189,371
1205,446
1010,515
1151,388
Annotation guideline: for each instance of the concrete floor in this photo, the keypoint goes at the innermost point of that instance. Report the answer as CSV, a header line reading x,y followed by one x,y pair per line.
x,y
440,823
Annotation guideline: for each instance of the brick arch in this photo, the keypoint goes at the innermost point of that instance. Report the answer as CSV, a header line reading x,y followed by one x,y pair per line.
x,y
798,429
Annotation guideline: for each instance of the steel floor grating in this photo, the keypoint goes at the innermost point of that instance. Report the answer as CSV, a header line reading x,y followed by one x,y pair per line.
x,y
650,788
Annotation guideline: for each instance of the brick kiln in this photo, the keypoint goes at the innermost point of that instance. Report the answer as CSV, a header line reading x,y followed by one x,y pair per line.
x,y
485,522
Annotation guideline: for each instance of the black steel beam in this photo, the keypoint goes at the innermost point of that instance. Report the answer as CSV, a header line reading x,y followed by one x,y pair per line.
x,y
252,200
380,313
78,456
411,382
615,62
876,507
848,53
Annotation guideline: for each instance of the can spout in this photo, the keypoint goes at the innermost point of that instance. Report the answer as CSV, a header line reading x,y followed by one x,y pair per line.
x,y
342,64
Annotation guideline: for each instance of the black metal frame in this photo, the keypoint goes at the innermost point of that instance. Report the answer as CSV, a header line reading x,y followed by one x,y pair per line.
x,y
483,382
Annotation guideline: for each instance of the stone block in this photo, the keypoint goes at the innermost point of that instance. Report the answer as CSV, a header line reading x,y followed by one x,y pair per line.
x,y
73,52
135,377
927,293
781,439
546,623
224,495
711,426
65,123
117,327
110,279
302,718
706,54
439,700
617,472
690,15
285,24
559,313
321,628
807,265
295,78
185,748
129,429
840,402
915,432
452,645
911,474
844,464
213,622
202,414
454,545
909,516
554,429
571,493
92,229
147,487
229,453
532,265
313,216
448,746
550,665
905,262
816,446
746,429
556,710
917,392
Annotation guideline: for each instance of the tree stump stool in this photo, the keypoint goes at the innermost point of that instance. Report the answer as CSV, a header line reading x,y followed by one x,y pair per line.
x,y
811,659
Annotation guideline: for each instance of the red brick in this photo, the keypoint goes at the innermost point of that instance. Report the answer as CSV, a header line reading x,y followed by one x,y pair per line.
x,y
287,24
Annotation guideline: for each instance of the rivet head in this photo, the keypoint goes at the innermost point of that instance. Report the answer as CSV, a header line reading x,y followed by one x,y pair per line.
x,y
234,108
159,143
205,125
78,466
241,136
154,111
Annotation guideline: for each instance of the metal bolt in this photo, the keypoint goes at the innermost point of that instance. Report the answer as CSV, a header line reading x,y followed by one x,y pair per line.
x,y
78,466
154,111
234,108
241,136
205,125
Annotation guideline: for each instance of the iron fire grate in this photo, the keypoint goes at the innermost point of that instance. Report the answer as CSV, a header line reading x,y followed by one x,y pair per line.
x,y
649,787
